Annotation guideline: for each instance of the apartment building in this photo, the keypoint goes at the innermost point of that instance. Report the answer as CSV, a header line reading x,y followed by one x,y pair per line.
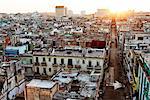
x,y
48,63
137,67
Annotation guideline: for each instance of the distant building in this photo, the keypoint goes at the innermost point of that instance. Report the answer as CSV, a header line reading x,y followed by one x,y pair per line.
x,y
40,90
61,11
83,13
102,12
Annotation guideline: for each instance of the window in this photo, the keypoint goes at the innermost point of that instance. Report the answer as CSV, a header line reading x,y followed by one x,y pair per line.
x,y
62,61
37,69
30,61
132,60
133,37
90,64
44,71
49,59
97,63
19,71
54,43
78,43
83,61
55,61
70,62
37,60
49,69
26,69
43,59
140,38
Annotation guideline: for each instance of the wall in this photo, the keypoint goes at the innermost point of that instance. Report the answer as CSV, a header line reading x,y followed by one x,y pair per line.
x,y
75,61
34,93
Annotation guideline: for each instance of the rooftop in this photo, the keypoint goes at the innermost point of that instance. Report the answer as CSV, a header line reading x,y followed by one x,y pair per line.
x,y
64,77
41,83
79,52
81,85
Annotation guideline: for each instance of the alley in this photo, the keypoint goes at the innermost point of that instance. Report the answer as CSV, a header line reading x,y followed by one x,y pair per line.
x,y
114,73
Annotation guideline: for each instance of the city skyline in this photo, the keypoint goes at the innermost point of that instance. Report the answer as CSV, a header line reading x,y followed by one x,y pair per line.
x,y
24,6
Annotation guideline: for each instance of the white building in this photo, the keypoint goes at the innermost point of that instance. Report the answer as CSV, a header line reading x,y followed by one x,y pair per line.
x,y
137,41
48,63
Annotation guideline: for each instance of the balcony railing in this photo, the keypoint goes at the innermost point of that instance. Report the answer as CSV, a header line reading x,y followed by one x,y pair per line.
x,y
89,67
36,64
70,66
55,65
98,67
62,65
43,64
37,75
44,77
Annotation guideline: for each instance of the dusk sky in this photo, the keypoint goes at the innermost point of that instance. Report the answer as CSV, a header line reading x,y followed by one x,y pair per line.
x,y
15,6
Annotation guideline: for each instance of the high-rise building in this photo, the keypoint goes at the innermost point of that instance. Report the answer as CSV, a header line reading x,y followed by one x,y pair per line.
x,y
60,11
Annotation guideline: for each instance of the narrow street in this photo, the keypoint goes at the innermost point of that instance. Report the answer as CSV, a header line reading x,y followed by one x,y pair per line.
x,y
114,74
115,71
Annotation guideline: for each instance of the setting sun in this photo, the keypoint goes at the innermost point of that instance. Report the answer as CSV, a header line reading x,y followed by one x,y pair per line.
x,y
118,5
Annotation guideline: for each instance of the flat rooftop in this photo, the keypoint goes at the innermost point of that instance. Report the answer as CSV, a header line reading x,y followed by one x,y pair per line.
x,y
41,83
96,53
87,88
64,77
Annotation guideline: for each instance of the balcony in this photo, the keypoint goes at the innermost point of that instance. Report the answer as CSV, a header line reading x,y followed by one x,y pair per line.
x,y
36,64
62,65
37,75
55,65
70,66
77,66
98,67
89,67
43,64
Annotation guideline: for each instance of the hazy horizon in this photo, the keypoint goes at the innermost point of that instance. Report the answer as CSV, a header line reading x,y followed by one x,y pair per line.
x,y
25,6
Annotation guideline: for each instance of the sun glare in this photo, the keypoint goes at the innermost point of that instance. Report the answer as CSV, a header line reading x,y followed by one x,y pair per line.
x,y
117,6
